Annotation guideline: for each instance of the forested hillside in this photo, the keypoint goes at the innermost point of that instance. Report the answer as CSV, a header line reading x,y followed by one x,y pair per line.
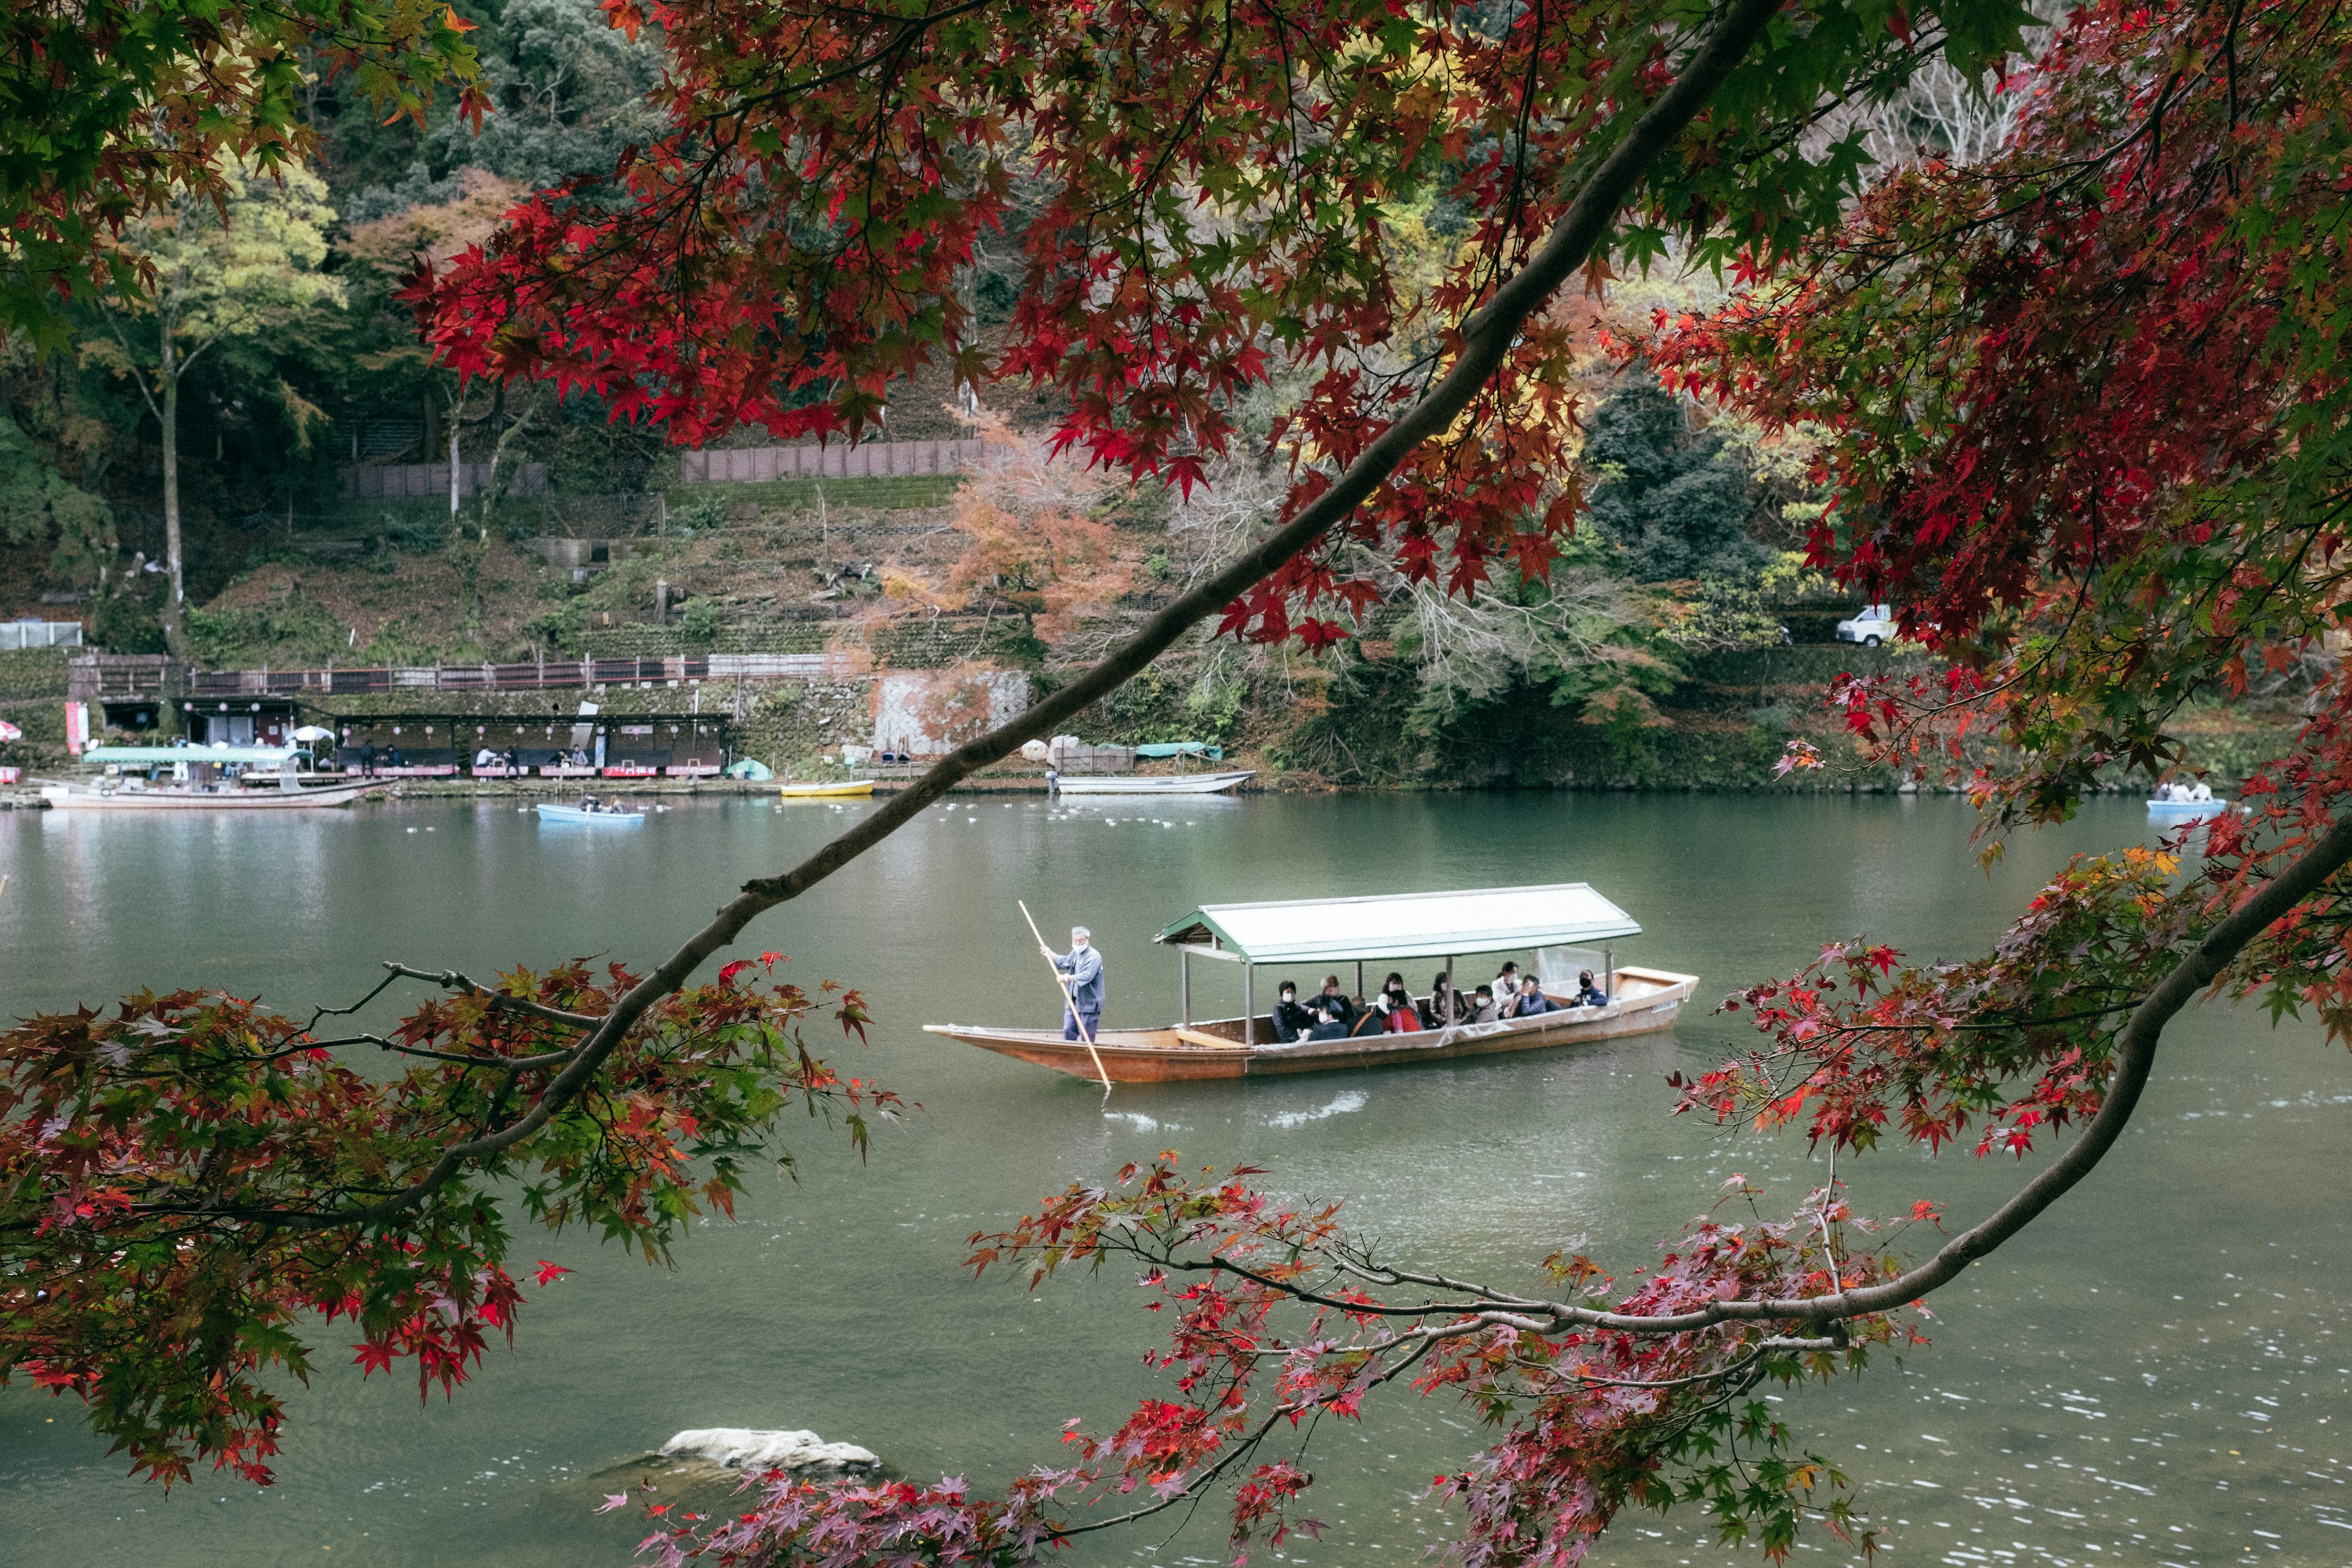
x,y
276,363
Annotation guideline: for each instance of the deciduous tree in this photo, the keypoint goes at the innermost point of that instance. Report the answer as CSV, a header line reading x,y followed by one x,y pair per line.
x,y
236,265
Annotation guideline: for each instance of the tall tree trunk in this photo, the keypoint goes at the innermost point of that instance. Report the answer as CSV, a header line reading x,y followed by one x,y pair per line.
x,y
170,419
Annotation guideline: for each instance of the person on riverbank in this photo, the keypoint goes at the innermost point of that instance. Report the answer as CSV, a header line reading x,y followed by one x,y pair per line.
x,y
367,760
1291,1021
1081,1020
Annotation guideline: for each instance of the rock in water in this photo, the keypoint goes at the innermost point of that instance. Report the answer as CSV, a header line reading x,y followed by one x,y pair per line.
x,y
745,1448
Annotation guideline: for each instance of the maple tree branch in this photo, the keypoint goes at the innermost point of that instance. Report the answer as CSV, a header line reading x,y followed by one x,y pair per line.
x,y
456,982
1485,341
2134,1059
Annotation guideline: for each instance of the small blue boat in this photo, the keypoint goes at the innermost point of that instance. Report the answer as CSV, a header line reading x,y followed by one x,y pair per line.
x,y
2188,810
590,814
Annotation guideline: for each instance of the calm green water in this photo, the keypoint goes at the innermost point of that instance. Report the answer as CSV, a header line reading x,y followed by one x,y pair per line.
x,y
2157,1375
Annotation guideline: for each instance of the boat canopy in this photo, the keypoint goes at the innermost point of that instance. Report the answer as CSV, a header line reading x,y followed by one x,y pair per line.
x,y
269,756
1406,925
1181,749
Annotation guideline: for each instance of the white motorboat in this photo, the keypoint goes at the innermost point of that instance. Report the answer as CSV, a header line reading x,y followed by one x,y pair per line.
x,y
1146,784
224,797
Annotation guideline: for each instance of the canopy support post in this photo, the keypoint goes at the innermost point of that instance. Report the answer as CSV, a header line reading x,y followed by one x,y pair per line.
x,y
1360,980
1608,973
1184,981
1249,1004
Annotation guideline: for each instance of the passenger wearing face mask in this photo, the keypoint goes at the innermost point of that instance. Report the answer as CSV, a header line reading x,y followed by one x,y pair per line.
x,y
1291,1021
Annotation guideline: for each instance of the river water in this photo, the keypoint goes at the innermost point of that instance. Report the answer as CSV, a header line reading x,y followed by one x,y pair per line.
x,y
2156,1374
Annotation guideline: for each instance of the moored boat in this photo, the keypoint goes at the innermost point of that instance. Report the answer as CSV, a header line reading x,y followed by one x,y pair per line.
x,y
1559,923
1146,784
226,797
2188,810
201,778
588,814
839,790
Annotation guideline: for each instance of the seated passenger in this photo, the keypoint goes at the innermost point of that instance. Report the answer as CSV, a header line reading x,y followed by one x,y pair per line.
x,y
1330,1024
1372,1020
1482,1005
1291,1021
1588,994
1335,1002
1532,1002
1398,1014
1505,989
2202,792
2163,791
1445,1005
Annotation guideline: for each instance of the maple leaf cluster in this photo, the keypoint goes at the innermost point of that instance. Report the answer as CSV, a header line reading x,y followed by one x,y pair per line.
x,y
183,1180
1278,1319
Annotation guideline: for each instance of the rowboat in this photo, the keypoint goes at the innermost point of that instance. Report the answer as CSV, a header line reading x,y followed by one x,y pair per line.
x,y
839,791
581,817
226,797
1559,924
1144,784
2188,810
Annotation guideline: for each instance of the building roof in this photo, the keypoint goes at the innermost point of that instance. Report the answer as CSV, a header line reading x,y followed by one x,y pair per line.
x,y
1406,925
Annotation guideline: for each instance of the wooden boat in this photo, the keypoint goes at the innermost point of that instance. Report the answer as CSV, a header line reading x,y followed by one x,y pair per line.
x,y
840,790
581,817
1145,784
1310,938
226,797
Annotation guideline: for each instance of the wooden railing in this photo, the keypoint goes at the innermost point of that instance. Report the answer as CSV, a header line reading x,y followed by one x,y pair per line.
x,y
537,676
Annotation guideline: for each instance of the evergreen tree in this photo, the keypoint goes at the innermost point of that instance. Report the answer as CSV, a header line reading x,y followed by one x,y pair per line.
x,y
1673,496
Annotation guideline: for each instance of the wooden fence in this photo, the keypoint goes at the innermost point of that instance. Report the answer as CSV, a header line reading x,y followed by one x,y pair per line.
x,y
871,459
380,482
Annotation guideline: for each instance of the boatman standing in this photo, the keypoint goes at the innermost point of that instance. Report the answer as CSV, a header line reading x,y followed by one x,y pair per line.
x,y
1083,965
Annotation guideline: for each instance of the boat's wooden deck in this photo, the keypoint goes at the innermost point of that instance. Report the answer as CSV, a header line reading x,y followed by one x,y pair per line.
x,y
1643,1000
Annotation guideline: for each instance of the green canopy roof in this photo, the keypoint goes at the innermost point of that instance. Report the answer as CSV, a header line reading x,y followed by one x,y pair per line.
x,y
1406,925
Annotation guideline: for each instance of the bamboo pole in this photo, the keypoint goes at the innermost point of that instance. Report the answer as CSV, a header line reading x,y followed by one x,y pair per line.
x,y
1064,985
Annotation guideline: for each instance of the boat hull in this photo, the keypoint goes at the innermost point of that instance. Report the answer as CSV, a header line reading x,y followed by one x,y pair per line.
x,y
825,791
64,799
1648,1000
1138,783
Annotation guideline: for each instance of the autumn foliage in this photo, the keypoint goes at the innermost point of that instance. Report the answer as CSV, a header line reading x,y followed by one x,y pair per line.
x,y
193,1188
1205,200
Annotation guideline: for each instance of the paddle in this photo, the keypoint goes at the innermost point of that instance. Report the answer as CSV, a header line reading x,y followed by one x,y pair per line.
x,y
1064,987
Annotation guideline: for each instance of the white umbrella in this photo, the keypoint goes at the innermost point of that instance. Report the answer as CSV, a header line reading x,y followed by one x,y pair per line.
x,y
9,731
313,732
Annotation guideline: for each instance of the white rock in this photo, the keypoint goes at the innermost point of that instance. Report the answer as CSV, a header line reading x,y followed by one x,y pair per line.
x,y
745,1448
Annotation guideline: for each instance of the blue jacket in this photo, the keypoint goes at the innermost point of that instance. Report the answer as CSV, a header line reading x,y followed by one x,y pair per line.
x,y
1083,965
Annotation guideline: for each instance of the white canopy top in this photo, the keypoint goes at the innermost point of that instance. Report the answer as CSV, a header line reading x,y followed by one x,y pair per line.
x,y
1406,925
269,756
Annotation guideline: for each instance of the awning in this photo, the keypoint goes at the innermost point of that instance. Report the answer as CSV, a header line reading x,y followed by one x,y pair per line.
x,y
269,756
1407,925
